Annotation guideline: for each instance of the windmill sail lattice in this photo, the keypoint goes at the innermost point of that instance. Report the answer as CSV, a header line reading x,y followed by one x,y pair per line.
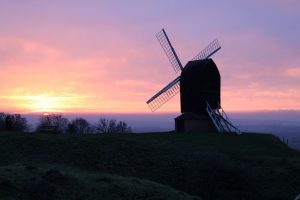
x,y
199,85
169,50
164,95
211,49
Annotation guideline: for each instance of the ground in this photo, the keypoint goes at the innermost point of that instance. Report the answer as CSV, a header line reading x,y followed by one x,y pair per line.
x,y
147,166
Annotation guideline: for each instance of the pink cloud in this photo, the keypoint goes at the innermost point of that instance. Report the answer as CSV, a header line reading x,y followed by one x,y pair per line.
x,y
114,63
293,72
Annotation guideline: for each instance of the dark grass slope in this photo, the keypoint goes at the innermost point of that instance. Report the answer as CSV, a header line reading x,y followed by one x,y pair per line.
x,y
210,166
38,183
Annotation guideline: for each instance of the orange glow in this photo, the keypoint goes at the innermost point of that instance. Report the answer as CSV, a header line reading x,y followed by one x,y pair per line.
x,y
57,67
45,114
46,104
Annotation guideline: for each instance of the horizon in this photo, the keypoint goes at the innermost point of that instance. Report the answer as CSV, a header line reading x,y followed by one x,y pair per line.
x,y
79,81
283,124
90,57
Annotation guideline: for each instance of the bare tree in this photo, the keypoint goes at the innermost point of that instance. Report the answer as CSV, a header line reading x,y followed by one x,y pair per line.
x,y
104,125
61,123
79,126
111,126
53,123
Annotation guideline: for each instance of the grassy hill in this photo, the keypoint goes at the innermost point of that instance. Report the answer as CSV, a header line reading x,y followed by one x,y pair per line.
x,y
147,166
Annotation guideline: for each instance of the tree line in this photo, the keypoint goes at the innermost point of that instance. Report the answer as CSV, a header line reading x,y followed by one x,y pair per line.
x,y
13,122
56,123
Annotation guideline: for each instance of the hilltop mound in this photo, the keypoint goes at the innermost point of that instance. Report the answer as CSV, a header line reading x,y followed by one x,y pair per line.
x,y
28,182
211,166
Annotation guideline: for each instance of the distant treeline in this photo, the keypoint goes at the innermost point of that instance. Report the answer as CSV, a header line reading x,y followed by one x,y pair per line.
x,y
56,123
12,122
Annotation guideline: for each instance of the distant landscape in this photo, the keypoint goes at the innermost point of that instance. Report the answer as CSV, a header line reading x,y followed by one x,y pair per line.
x,y
90,92
280,123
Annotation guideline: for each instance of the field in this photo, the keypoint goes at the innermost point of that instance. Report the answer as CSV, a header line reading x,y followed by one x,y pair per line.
x,y
147,166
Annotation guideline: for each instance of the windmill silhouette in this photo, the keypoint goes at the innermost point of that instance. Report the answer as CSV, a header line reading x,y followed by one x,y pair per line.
x,y
200,86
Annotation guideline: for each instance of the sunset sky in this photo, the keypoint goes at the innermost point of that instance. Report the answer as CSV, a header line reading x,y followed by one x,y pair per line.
x,y
102,56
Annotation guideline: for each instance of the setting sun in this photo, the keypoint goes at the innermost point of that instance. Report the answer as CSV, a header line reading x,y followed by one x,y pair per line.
x,y
92,60
47,104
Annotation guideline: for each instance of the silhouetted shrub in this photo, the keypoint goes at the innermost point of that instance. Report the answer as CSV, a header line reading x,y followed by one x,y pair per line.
x,y
79,125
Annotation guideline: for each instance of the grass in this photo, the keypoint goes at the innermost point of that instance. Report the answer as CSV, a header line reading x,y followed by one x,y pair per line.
x,y
38,182
148,166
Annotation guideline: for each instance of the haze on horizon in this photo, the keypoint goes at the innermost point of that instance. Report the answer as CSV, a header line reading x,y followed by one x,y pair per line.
x,y
102,56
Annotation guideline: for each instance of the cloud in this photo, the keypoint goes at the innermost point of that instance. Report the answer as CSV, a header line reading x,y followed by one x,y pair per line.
x,y
105,54
293,72
17,51
287,6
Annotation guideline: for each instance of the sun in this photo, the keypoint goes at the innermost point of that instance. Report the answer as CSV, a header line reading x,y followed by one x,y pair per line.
x,y
47,104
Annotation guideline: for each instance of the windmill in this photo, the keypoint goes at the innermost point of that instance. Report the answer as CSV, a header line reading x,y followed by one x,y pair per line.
x,y
199,85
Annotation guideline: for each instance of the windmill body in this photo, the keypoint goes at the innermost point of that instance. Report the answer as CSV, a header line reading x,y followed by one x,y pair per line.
x,y
200,87
200,82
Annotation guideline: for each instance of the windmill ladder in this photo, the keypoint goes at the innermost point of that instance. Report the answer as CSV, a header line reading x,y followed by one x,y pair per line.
x,y
221,120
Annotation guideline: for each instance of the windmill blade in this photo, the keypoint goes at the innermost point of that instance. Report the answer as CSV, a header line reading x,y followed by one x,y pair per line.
x,y
211,49
169,50
164,95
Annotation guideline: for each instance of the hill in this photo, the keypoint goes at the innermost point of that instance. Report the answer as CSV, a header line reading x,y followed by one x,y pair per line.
x,y
147,166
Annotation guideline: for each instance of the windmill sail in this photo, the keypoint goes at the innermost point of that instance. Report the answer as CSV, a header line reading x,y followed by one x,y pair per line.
x,y
164,95
169,50
211,49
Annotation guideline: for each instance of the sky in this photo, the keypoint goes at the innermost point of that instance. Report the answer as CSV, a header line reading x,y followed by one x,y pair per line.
x,y
102,56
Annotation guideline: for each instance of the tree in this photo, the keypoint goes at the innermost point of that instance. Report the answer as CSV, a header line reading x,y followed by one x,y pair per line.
x,y
122,127
105,125
2,121
79,126
61,123
19,123
54,123
12,122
